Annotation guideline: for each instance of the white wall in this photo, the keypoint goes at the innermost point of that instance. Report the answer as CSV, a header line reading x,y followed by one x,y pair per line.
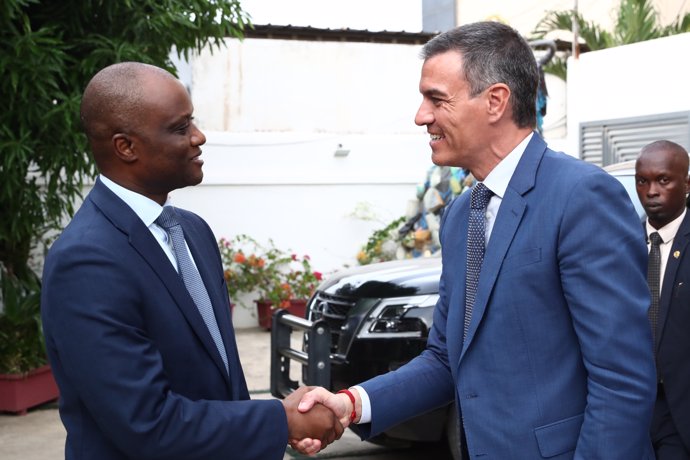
x,y
628,81
275,112
261,85
302,196
292,189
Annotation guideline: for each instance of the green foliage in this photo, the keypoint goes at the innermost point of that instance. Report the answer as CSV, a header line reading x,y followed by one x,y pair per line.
x,y
636,21
373,251
48,52
21,338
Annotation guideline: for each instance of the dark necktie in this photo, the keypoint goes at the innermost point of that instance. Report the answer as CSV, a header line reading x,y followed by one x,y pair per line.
x,y
475,247
654,280
191,277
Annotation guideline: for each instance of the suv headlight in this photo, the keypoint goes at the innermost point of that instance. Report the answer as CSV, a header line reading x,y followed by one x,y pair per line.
x,y
400,317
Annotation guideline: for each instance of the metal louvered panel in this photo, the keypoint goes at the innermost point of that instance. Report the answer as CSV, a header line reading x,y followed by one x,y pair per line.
x,y
592,144
612,141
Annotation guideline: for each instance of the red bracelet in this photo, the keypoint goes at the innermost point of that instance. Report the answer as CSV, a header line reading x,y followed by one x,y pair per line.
x,y
349,394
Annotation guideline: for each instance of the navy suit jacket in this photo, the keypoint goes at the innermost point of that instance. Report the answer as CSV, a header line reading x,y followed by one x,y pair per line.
x,y
138,372
558,360
673,344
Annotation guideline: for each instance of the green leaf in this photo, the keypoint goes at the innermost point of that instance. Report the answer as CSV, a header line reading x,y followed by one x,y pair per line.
x,y
48,53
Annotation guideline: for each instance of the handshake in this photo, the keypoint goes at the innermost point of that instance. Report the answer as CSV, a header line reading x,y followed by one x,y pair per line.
x,y
317,417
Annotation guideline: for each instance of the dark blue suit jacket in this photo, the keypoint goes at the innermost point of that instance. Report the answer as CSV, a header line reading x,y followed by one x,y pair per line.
x,y
138,372
558,359
673,344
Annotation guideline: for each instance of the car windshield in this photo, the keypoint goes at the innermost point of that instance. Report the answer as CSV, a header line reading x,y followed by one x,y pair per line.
x,y
628,181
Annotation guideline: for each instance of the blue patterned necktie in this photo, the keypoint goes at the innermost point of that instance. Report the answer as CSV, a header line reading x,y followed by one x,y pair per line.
x,y
191,277
654,280
476,234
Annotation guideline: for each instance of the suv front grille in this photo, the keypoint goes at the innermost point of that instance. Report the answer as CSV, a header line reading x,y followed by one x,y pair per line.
x,y
333,310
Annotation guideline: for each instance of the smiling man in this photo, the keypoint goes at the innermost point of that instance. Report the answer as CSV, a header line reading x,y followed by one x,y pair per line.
x,y
134,305
540,334
661,178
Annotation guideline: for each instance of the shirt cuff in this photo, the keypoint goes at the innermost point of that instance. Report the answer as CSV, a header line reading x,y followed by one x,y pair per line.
x,y
366,405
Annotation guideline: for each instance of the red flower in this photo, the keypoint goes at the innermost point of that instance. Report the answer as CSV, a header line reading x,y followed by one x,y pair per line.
x,y
318,276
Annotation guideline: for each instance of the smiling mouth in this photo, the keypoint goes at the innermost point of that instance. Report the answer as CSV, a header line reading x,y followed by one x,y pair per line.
x,y
436,137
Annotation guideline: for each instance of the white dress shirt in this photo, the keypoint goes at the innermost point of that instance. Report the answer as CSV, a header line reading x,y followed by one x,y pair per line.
x,y
667,233
148,211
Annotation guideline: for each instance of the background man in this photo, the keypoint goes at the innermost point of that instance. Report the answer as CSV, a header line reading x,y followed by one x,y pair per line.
x,y
544,346
661,174
135,309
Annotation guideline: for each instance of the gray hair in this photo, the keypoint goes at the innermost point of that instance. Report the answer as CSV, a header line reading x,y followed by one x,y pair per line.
x,y
494,53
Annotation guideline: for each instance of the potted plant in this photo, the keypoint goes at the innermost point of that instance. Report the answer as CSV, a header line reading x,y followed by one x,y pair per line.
x,y
25,376
279,279
292,287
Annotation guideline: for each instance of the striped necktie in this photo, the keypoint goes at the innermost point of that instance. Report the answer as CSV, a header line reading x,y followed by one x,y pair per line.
x,y
191,277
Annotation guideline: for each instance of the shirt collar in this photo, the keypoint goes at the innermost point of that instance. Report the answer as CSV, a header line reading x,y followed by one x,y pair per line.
x,y
668,231
147,209
498,179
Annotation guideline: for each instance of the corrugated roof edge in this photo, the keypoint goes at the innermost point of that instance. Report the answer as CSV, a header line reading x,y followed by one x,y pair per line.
x,y
308,33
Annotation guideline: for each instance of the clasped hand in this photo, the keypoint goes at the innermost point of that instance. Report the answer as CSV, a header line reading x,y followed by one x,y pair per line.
x,y
316,418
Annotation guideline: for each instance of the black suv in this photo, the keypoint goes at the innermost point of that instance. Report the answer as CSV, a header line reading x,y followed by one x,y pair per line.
x,y
379,317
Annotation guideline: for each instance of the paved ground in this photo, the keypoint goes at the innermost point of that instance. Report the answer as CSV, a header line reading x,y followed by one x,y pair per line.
x,y
41,436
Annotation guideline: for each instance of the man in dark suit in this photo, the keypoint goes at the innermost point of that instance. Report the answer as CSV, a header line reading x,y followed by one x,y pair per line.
x,y
661,175
136,313
540,334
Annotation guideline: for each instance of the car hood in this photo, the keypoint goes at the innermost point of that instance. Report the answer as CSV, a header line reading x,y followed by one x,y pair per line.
x,y
386,279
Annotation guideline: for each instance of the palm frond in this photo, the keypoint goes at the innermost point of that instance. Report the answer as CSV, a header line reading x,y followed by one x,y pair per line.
x,y
637,21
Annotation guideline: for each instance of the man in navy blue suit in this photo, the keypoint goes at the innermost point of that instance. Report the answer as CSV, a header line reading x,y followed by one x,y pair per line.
x,y
661,177
540,334
143,370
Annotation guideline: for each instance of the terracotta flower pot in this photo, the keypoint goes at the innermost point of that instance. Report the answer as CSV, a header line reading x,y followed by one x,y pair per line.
x,y
265,310
20,392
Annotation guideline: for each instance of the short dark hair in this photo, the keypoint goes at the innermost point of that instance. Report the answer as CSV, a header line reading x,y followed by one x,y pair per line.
x,y
494,53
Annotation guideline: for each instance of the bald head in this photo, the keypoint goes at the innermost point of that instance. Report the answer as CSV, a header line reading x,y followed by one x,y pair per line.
x,y
661,180
671,152
112,103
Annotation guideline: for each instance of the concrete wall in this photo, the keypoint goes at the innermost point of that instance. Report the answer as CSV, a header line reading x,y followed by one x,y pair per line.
x,y
275,112
294,190
628,81
260,85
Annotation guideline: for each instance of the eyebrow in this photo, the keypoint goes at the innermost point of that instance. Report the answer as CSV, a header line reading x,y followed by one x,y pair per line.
x,y
181,119
434,92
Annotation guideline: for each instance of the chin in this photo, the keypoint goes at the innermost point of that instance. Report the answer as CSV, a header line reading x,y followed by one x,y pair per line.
x,y
441,159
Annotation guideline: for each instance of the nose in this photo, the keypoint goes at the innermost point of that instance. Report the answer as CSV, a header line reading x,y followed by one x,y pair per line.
x,y
424,114
198,138
653,189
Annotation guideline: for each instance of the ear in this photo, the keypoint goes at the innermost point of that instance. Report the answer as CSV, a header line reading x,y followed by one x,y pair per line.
x,y
124,147
498,96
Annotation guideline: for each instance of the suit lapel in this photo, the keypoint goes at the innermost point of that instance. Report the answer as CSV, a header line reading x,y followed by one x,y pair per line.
x,y
141,239
510,213
680,243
